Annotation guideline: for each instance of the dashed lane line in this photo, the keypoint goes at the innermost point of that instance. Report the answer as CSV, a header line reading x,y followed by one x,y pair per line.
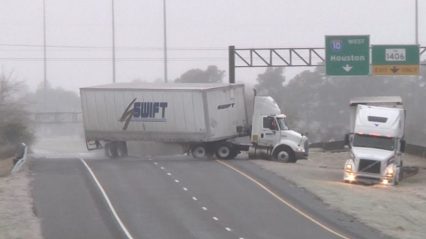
x,y
108,201
282,200
193,198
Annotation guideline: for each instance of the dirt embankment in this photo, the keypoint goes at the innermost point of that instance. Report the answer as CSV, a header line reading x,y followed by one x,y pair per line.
x,y
397,211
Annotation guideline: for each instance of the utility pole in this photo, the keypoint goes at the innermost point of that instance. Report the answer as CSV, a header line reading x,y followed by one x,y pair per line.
x,y
165,40
417,21
113,39
44,49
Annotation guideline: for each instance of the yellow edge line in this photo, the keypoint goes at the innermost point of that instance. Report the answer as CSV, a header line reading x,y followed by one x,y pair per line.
x,y
288,204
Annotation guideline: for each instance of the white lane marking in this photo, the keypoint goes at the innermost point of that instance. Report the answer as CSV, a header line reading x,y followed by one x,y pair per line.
x,y
155,163
185,189
194,198
114,213
162,168
204,208
176,181
169,174
288,204
150,159
215,218
228,229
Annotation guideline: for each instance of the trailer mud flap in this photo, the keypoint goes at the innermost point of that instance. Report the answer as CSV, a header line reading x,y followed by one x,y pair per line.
x,y
93,145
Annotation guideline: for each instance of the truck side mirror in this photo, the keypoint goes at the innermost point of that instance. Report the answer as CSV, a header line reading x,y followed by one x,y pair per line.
x,y
346,141
403,144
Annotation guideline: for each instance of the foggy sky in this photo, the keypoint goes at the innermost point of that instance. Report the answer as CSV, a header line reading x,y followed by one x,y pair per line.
x,y
199,32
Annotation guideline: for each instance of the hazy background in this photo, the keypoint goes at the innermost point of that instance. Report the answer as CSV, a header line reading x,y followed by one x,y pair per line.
x,y
199,32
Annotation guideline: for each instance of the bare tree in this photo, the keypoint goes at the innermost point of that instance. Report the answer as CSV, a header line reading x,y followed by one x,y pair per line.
x,y
14,123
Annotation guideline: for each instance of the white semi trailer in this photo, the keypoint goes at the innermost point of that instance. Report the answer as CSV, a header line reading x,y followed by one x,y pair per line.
x,y
376,140
205,118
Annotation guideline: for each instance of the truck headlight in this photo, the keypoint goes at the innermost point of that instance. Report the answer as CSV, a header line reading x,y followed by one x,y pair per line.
x,y
389,172
348,167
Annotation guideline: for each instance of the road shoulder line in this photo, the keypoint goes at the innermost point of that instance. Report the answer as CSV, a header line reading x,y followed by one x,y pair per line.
x,y
288,204
107,200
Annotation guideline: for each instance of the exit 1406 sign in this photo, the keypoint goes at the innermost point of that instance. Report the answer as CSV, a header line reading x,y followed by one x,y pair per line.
x,y
395,59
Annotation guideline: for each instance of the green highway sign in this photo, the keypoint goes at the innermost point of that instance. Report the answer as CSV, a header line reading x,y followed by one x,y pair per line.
x,y
347,55
395,59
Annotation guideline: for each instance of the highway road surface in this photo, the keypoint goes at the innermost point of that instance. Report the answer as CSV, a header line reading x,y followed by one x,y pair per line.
x,y
178,197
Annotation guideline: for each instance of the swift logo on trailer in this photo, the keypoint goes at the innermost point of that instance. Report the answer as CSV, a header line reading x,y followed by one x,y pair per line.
x,y
148,111
225,106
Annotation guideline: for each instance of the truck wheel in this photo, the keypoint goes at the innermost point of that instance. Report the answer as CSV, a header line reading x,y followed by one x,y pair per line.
x,y
234,154
401,172
121,149
111,150
395,180
199,151
224,151
284,155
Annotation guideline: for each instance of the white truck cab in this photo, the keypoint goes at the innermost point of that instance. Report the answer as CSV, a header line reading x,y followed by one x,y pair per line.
x,y
271,136
376,140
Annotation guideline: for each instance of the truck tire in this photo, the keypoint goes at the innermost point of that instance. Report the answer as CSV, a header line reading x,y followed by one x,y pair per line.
x,y
111,150
121,149
234,153
395,180
199,151
224,151
285,155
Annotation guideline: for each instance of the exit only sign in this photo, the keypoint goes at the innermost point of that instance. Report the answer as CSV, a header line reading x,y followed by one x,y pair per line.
x,y
395,59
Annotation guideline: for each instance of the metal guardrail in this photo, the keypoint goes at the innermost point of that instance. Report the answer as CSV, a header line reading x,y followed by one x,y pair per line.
x,y
21,161
412,149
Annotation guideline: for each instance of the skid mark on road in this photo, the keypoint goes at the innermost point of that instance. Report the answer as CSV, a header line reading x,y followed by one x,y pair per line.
x,y
194,198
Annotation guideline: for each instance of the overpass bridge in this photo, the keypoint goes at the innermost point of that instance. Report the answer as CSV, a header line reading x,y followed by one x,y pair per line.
x,y
55,117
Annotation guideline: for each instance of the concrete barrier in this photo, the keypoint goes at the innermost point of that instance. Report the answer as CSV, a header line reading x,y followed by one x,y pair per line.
x,y
412,149
416,150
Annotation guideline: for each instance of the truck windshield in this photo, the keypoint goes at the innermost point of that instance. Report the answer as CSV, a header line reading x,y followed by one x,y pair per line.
x,y
282,124
377,142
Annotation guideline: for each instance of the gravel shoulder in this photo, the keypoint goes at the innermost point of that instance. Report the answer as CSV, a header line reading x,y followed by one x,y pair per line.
x,y
398,211
16,208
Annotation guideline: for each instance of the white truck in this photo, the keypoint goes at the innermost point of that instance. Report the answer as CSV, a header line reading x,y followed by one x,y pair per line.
x,y
205,118
376,140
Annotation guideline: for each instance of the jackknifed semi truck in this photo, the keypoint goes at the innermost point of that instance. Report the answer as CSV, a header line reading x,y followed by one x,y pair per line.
x,y
376,140
206,119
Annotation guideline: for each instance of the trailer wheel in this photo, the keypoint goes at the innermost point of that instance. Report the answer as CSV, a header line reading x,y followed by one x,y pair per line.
x,y
111,150
199,151
121,149
224,151
285,155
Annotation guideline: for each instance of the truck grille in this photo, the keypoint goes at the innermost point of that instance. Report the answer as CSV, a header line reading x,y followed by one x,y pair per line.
x,y
369,166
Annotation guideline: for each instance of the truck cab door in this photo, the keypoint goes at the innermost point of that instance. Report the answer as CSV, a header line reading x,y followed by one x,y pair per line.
x,y
270,132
